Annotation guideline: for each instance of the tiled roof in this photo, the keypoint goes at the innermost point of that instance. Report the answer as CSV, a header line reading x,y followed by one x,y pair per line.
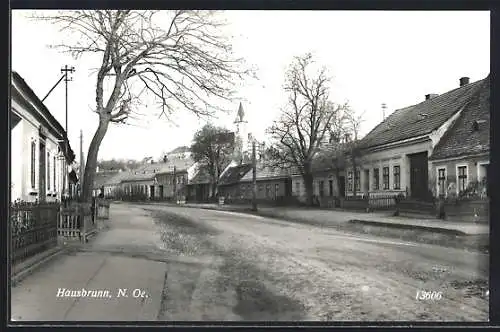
x,y
101,178
267,172
201,177
117,178
149,171
461,139
420,119
234,174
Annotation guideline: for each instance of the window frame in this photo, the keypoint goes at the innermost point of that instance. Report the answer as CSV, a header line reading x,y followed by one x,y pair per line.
x,y
357,181
48,172
386,185
466,176
350,186
438,180
396,181
376,178
33,164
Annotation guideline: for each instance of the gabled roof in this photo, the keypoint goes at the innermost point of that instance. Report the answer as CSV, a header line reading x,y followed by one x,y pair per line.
x,y
269,172
41,112
420,119
201,177
101,178
234,174
462,138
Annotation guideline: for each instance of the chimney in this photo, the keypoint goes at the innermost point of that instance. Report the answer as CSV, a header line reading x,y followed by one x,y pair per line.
x,y
430,96
464,81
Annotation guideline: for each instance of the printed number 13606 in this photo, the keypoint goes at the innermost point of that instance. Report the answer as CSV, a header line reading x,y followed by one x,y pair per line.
x,y
424,295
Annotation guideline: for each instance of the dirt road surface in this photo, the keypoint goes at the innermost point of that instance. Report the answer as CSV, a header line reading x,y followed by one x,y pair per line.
x,y
258,268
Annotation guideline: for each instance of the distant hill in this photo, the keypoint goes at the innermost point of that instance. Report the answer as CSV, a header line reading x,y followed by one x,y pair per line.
x,y
116,164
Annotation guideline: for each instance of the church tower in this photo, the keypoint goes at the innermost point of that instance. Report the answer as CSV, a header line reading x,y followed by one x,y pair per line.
x,y
241,136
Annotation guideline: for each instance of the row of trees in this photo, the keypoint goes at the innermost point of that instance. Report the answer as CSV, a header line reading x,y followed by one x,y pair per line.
x,y
309,124
182,60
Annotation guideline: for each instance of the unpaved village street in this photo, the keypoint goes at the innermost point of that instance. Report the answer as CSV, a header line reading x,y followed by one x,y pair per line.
x,y
230,266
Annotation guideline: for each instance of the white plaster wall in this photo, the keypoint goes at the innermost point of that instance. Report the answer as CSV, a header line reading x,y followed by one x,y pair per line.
x,y
21,137
389,158
16,162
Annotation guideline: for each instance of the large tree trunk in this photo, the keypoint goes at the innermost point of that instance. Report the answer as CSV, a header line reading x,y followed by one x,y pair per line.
x,y
308,183
91,165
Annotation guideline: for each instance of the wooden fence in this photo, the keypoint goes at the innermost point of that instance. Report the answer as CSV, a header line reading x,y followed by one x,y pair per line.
x,y
76,222
101,212
369,202
33,229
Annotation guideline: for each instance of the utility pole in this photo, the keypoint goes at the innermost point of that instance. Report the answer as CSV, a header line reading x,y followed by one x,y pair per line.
x,y
175,184
65,70
82,166
254,177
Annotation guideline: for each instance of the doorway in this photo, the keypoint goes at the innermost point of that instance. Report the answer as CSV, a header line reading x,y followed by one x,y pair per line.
x,y
341,186
151,192
419,176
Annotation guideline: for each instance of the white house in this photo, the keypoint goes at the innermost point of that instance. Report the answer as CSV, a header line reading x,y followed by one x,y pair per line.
x,y
41,156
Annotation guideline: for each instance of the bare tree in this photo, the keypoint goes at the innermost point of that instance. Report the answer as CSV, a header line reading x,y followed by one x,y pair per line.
x,y
180,59
213,148
308,119
352,148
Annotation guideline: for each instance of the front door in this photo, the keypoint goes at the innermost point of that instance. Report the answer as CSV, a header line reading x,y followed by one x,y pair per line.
x,y
419,176
161,192
151,192
366,181
42,172
341,186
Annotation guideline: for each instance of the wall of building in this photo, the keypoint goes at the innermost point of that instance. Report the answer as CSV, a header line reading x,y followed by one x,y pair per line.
x,y
299,189
26,132
475,171
390,157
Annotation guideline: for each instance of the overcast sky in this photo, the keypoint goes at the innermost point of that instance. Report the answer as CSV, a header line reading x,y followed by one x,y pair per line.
x,y
375,57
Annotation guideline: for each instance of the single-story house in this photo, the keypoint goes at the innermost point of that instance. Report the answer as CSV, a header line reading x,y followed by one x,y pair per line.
x,y
101,178
42,160
199,187
395,154
273,183
160,180
461,158
328,175
229,181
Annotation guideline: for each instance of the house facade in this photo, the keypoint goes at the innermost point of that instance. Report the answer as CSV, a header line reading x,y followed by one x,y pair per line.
x,y
164,180
394,156
273,183
42,160
461,159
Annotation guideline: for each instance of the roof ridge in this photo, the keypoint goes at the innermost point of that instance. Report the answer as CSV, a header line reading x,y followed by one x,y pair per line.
x,y
450,131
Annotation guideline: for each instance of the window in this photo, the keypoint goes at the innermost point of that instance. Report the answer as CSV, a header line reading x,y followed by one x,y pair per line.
x,y
349,181
276,189
462,178
358,181
397,177
268,190
48,171
321,188
441,181
297,187
33,151
330,187
376,179
385,177
261,187
54,171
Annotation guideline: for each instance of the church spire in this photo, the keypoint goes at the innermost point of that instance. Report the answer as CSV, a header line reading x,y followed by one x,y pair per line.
x,y
240,116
